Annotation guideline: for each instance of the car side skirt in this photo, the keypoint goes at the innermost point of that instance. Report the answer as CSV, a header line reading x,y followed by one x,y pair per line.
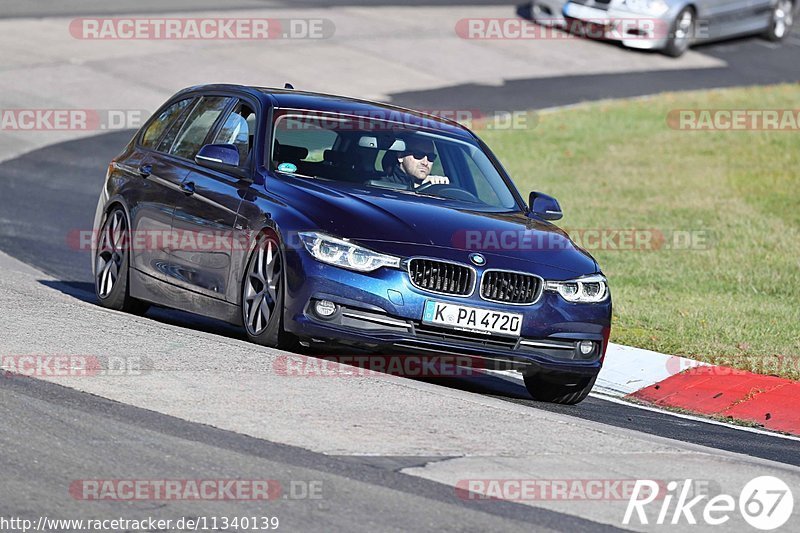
x,y
144,287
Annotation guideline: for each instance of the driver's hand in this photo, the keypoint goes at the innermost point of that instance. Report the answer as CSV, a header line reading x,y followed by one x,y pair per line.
x,y
435,180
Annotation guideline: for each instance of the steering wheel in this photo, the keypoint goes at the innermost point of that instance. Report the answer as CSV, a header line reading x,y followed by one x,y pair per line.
x,y
446,190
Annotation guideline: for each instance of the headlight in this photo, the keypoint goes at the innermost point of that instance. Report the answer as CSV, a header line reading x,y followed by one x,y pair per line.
x,y
654,7
345,254
589,289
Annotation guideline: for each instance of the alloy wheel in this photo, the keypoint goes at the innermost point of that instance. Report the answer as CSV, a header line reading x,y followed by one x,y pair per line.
x,y
262,287
782,18
684,26
111,251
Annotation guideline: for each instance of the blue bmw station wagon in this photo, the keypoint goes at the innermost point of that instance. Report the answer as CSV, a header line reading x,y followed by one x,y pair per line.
x,y
313,220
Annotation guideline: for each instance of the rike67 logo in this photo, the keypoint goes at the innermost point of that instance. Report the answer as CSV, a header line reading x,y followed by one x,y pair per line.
x,y
765,503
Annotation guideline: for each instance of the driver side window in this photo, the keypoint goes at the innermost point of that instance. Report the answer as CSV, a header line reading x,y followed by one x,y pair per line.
x,y
239,130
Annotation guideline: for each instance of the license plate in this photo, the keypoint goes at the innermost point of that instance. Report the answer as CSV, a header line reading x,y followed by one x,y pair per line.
x,y
472,319
580,12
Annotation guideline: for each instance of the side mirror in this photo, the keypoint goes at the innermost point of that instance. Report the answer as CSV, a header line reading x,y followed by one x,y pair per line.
x,y
221,157
544,206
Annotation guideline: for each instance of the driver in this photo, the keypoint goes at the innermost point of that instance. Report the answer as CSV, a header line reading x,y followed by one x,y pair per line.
x,y
413,166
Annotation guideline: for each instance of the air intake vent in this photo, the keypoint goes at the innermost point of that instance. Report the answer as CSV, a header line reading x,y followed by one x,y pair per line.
x,y
441,277
510,287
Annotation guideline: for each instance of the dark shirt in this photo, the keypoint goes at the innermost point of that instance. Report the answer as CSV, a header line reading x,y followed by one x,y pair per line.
x,y
396,175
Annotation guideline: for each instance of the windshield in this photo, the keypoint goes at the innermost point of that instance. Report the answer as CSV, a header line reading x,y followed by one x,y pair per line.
x,y
387,155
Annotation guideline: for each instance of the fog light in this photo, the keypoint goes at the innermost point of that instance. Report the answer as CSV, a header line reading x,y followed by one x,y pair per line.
x,y
325,308
586,347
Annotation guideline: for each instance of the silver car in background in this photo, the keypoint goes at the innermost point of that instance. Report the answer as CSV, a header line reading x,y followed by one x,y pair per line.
x,y
670,26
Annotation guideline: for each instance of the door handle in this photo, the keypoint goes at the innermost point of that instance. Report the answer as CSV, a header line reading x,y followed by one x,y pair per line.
x,y
145,170
188,188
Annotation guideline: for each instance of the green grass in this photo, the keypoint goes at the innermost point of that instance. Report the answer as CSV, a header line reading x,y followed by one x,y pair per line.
x,y
617,165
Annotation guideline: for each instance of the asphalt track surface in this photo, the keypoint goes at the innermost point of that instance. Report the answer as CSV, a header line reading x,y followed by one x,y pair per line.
x,y
51,193
750,61
101,437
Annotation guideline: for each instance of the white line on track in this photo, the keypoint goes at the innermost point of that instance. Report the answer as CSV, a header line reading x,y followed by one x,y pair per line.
x,y
516,377
693,417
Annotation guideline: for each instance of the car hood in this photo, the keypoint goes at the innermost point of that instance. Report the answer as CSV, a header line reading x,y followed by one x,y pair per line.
x,y
381,219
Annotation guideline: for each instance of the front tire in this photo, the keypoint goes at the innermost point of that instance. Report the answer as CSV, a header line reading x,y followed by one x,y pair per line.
x,y
681,32
263,295
544,390
539,15
780,24
112,266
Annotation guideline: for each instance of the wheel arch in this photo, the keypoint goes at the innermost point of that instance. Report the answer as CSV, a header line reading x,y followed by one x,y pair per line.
x,y
269,227
110,204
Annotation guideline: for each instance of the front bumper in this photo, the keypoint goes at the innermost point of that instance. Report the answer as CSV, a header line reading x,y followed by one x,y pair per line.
x,y
633,30
381,312
548,13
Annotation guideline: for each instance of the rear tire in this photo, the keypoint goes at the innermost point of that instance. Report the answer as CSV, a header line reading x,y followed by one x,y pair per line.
x,y
263,296
112,265
544,390
681,33
780,24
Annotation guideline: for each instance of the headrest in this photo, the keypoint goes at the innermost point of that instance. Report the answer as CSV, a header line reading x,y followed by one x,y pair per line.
x,y
331,156
239,132
287,152
251,123
389,160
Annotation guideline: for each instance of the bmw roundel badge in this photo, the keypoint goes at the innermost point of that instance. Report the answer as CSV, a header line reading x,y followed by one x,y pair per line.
x,y
478,259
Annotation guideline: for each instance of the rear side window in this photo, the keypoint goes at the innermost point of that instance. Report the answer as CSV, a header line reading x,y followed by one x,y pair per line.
x,y
158,126
197,126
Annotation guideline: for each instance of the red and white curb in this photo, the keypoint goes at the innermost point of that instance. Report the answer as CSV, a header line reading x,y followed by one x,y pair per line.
x,y
627,370
699,388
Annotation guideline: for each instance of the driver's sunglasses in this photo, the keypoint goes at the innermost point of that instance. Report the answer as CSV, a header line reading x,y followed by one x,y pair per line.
x,y
418,154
